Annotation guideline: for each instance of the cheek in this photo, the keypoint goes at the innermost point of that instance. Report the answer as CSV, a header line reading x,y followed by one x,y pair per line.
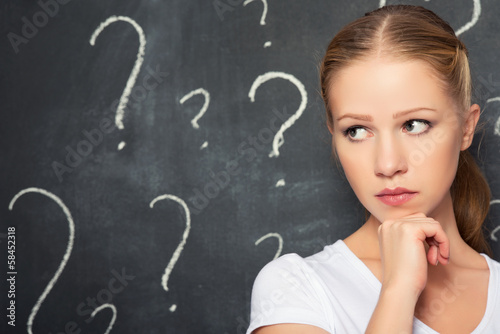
x,y
439,160
355,168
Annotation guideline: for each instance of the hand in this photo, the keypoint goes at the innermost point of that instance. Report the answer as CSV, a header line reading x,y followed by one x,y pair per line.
x,y
403,252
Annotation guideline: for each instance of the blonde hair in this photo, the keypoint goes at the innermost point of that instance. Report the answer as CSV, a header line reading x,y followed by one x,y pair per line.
x,y
406,32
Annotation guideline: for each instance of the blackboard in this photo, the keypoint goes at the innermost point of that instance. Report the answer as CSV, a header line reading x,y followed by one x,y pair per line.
x,y
154,215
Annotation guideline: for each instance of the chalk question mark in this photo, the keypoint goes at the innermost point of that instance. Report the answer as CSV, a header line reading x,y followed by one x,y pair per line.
x,y
476,12
180,247
194,121
275,235
120,110
496,129
262,18
382,3
66,256
279,140
64,261
492,235
113,318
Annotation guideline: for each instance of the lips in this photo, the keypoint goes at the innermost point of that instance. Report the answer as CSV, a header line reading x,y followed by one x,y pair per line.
x,y
396,196
397,191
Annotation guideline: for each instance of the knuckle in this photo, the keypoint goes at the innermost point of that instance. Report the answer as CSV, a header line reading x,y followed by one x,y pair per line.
x,y
382,229
387,223
385,226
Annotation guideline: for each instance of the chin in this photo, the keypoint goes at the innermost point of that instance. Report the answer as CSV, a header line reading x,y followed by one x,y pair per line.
x,y
393,213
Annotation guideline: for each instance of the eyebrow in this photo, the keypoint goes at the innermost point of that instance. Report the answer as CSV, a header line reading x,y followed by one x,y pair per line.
x,y
368,118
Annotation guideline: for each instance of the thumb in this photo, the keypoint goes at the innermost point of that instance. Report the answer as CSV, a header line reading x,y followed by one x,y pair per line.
x,y
432,255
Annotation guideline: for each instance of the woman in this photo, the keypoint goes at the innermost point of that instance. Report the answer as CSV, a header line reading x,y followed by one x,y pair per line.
x,y
397,89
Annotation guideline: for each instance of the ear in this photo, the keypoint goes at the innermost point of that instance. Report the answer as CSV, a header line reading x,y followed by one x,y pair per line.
x,y
470,126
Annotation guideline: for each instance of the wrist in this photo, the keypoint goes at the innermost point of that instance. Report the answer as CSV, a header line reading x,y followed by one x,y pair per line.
x,y
394,311
400,296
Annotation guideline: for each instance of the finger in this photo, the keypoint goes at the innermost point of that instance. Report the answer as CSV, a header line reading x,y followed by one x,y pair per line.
x,y
444,259
439,257
432,255
444,247
434,231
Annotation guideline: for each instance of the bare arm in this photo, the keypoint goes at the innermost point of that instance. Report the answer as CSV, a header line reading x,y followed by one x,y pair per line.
x,y
290,329
404,269
394,312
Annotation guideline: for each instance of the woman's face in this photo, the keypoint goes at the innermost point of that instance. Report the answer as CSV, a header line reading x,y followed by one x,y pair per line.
x,y
395,127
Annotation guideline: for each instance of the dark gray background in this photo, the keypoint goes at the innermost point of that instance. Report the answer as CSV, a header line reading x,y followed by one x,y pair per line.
x,y
57,86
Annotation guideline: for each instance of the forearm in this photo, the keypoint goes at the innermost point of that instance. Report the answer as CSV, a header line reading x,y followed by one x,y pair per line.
x,y
394,312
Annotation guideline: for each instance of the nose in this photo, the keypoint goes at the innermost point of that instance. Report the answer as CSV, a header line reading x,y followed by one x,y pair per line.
x,y
390,157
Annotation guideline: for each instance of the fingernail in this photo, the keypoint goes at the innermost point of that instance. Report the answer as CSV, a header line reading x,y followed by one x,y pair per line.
x,y
437,261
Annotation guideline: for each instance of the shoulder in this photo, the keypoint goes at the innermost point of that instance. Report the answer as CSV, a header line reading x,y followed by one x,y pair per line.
x,y
493,264
311,290
281,273
287,290
494,280
493,306
291,270
494,267
303,279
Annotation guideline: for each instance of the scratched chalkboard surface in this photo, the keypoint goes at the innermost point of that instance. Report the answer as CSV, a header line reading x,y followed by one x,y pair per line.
x,y
155,155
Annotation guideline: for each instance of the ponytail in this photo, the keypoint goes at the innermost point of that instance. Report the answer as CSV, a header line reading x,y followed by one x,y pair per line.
x,y
471,201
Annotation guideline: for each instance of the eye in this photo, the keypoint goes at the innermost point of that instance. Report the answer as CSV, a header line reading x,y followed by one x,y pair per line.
x,y
355,133
417,126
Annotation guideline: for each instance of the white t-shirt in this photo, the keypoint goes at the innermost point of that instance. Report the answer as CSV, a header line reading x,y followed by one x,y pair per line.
x,y
335,290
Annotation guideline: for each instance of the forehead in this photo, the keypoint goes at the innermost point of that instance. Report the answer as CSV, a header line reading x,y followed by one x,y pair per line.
x,y
378,85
